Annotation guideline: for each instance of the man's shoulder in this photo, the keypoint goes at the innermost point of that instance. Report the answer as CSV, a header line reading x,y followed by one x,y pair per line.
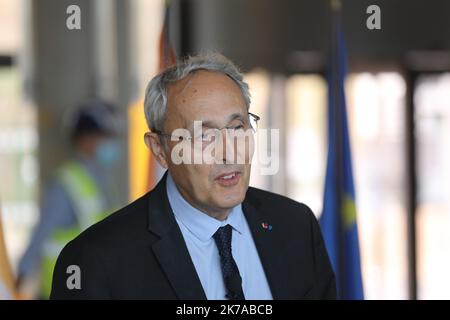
x,y
101,248
278,205
120,227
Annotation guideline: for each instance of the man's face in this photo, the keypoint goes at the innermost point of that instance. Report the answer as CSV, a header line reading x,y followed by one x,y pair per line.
x,y
217,101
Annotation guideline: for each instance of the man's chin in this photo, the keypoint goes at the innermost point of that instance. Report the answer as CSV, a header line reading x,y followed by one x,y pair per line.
x,y
229,200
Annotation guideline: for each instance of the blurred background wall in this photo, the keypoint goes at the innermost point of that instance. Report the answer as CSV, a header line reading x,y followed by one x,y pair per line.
x,y
397,92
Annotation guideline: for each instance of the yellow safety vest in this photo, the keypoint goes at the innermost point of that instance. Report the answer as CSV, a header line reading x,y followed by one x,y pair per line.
x,y
89,209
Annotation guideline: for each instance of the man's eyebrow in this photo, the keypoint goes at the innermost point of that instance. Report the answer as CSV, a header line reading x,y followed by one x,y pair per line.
x,y
213,124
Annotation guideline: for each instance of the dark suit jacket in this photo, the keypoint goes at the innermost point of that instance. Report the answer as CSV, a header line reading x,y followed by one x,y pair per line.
x,y
139,252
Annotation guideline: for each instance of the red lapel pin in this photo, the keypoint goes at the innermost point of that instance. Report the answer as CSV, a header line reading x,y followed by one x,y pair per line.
x,y
266,226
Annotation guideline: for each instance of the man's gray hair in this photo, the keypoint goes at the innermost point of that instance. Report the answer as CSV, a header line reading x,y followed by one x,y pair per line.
x,y
155,103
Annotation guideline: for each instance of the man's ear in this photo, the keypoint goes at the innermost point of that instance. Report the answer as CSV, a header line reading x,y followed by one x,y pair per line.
x,y
153,142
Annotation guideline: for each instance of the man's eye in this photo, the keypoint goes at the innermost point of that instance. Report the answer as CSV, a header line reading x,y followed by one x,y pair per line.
x,y
206,136
239,127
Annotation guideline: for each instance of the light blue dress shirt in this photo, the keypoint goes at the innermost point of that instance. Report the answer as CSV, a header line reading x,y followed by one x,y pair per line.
x,y
198,228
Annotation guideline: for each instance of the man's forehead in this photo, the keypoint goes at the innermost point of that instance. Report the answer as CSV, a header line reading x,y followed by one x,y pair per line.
x,y
198,83
204,96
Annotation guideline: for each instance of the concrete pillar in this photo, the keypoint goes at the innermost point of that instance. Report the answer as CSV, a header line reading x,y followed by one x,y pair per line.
x,y
73,65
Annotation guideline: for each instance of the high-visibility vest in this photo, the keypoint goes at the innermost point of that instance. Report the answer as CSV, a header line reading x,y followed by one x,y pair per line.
x,y
89,209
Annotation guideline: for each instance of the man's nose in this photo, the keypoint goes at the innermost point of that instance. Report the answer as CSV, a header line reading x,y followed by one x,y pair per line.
x,y
228,152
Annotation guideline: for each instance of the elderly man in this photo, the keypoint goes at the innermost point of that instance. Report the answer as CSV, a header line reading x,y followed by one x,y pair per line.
x,y
202,233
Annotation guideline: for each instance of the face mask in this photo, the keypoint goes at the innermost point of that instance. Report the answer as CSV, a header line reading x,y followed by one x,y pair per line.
x,y
107,153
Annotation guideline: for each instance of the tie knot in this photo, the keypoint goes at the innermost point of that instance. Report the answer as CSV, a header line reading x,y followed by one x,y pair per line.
x,y
222,237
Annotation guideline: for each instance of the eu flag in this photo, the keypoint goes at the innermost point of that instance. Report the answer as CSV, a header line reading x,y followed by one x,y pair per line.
x,y
338,219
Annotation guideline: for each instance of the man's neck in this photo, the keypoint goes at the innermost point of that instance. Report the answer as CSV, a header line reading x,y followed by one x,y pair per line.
x,y
217,213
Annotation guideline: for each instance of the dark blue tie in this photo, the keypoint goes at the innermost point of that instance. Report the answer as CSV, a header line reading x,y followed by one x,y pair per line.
x,y
230,271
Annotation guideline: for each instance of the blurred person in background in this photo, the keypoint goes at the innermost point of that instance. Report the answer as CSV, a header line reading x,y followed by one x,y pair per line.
x,y
78,195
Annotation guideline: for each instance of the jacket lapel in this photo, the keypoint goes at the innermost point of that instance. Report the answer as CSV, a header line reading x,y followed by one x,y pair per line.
x,y
284,275
171,250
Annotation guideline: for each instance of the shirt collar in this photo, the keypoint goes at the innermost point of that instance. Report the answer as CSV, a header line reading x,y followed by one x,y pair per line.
x,y
196,221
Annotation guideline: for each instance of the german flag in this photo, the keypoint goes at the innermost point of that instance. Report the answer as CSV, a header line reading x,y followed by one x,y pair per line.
x,y
142,163
167,58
